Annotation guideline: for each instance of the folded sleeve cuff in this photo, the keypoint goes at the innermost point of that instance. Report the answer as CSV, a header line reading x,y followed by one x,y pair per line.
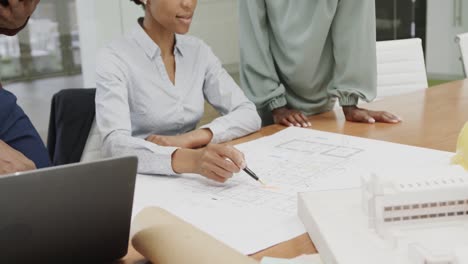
x,y
163,159
217,131
277,102
349,100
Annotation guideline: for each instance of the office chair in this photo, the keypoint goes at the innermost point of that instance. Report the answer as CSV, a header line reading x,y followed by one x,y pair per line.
x,y
400,67
462,40
73,136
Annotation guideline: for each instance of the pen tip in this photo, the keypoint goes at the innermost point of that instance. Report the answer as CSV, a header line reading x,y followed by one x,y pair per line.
x,y
260,181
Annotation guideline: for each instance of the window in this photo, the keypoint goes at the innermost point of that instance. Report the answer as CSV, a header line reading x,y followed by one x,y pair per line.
x,y
401,19
47,47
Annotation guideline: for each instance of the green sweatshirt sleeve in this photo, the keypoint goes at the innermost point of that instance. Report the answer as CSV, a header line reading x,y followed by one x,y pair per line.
x,y
354,47
259,78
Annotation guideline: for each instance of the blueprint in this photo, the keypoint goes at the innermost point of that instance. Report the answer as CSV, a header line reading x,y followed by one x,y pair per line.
x,y
249,216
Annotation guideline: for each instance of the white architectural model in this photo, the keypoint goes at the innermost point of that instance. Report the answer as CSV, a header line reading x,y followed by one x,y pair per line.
x,y
397,203
413,211
406,216
392,206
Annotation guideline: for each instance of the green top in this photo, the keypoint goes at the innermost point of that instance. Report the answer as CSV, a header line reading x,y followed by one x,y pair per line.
x,y
306,53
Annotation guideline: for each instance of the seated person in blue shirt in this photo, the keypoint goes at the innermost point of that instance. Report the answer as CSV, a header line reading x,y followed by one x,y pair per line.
x,y
21,148
151,89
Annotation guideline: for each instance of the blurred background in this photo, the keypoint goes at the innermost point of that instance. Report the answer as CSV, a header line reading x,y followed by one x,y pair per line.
x,y
58,47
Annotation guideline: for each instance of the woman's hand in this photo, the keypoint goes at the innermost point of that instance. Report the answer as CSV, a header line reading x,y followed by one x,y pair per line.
x,y
290,117
356,114
12,161
215,162
16,13
194,139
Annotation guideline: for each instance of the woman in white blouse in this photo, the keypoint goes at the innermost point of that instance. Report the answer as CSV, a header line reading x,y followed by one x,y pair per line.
x,y
151,89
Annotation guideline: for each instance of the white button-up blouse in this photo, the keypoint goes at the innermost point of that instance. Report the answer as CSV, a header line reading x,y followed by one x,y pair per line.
x,y
135,98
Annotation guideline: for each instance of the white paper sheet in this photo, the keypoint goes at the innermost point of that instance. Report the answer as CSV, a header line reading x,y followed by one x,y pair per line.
x,y
249,217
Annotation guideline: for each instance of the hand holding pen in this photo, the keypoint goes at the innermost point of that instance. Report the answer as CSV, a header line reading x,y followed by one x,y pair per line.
x,y
215,162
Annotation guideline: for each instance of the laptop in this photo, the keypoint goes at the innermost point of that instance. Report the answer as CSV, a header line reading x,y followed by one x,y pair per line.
x,y
77,213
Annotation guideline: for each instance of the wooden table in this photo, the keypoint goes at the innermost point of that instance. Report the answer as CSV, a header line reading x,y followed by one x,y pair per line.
x,y
432,119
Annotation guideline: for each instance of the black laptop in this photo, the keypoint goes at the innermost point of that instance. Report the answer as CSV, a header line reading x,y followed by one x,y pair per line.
x,y
77,213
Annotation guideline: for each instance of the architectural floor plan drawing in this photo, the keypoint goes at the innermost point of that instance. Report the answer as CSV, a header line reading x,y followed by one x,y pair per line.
x,y
291,161
286,167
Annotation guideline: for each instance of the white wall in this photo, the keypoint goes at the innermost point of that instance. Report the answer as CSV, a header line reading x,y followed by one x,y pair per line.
x,y
445,19
129,14
87,28
100,21
217,23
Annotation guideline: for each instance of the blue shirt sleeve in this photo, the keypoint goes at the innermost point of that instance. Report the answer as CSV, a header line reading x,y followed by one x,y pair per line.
x,y
18,132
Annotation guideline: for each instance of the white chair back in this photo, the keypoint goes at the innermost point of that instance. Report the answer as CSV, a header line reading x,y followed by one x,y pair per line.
x,y
400,67
462,40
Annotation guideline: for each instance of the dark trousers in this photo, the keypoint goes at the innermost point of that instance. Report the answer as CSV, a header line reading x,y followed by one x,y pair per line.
x,y
17,131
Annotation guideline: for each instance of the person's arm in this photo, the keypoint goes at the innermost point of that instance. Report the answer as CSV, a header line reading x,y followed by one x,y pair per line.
x,y
239,116
193,139
15,16
354,49
114,124
259,78
12,161
113,118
